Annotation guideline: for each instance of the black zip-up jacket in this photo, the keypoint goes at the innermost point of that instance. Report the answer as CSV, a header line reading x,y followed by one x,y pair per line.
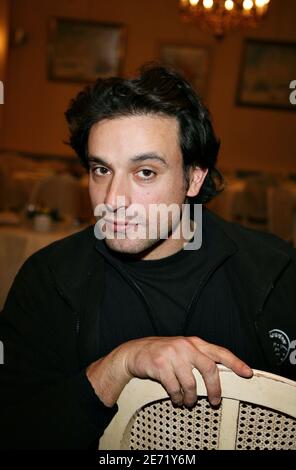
x,y
48,332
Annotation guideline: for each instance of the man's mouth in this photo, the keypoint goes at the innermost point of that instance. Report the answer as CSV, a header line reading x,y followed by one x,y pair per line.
x,y
117,225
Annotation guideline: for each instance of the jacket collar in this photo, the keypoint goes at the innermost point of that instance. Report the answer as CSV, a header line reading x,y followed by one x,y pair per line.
x,y
78,267
78,273
73,262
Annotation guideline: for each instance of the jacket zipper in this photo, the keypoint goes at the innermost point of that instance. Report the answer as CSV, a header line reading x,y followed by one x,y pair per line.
x,y
68,302
266,356
198,292
269,289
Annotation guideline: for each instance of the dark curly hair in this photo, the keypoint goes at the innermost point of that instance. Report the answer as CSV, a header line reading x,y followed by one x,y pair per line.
x,y
160,91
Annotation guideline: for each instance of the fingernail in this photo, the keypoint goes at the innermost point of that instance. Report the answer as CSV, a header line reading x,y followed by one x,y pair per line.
x,y
190,404
178,403
248,371
215,401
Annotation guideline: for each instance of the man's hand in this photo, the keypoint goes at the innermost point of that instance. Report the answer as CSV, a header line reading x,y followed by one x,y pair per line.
x,y
168,360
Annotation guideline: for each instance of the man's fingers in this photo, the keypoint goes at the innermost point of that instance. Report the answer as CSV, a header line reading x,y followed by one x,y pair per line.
x,y
210,375
170,382
180,382
229,360
188,383
223,356
170,362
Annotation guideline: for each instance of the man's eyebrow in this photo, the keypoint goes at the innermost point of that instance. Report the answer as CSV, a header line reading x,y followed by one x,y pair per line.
x,y
149,156
137,158
94,159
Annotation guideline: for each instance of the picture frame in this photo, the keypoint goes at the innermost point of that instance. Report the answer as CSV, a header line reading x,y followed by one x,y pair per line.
x,y
266,71
82,51
191,61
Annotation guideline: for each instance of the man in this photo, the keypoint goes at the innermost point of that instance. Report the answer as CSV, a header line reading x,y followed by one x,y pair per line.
x,y
85,314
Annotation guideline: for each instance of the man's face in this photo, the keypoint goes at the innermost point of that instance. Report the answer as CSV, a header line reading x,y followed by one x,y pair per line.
x,y
138,158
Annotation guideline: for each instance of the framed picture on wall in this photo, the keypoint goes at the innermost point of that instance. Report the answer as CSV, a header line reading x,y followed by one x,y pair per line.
x,y
190,61
81,51
267,70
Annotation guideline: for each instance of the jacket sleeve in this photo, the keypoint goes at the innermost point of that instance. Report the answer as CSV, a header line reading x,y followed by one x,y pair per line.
x,y
44,403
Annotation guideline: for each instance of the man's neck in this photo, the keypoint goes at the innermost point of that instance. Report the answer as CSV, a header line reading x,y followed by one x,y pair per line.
x,y
172,244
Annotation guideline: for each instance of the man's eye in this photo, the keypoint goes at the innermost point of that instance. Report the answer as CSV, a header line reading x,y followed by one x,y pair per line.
x,y
146,174
100,171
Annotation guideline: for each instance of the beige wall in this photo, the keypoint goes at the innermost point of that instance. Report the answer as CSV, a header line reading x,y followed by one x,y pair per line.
x,y
4,20
34,121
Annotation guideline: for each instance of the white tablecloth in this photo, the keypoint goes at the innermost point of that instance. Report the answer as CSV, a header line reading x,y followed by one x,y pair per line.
x,y
16,245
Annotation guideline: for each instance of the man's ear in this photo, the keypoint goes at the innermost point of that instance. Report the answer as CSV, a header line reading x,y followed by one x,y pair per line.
x,y
196,178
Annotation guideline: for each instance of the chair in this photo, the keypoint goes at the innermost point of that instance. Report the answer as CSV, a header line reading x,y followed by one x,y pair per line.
x,y
256,413
230,204
12,198
61,192
282,212
256,201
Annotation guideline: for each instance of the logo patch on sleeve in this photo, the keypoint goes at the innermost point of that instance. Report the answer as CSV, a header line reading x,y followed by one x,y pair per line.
x,y
281,344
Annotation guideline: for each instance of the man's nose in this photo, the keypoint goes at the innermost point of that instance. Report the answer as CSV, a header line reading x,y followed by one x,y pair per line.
x,y
117,195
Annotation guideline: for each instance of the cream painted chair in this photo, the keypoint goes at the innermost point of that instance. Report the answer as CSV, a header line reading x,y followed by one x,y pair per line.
x,y
256,413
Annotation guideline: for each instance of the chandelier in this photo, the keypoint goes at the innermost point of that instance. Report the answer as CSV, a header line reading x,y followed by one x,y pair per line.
x,y
221,16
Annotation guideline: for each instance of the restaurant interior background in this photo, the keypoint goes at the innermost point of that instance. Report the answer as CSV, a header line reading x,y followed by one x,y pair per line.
x,y
43,189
